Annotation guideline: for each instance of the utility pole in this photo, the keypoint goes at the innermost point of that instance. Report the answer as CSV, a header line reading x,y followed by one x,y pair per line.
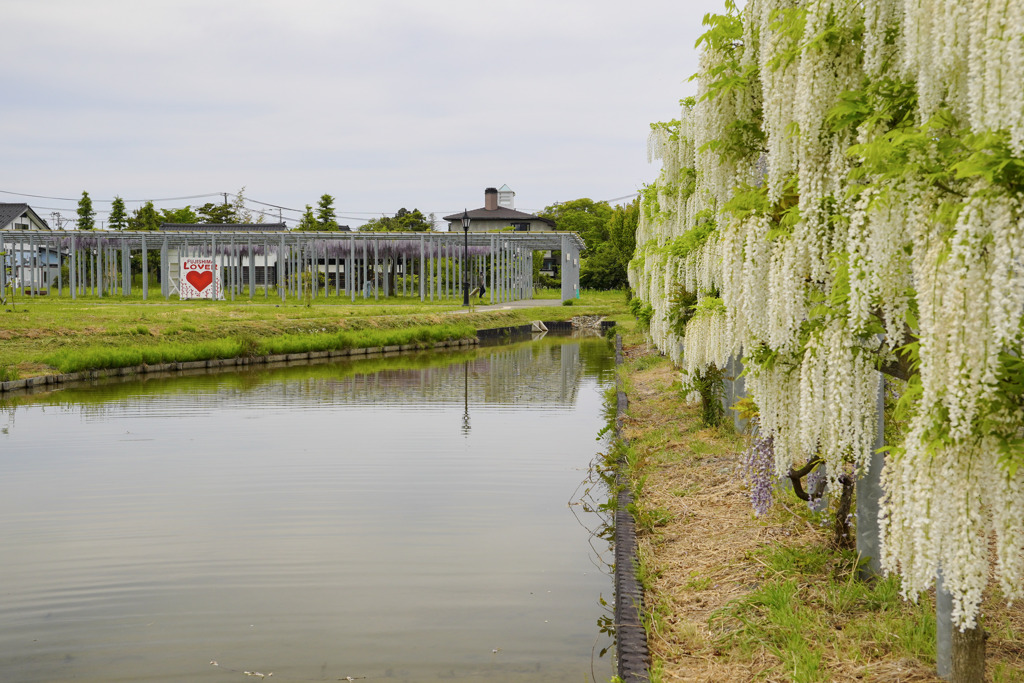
x,y
58,219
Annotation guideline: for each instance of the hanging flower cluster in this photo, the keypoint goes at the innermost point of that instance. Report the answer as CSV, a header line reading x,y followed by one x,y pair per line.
x,y
848,187
759,470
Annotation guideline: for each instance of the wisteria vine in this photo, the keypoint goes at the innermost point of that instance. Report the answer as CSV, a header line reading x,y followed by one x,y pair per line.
x,y
846,190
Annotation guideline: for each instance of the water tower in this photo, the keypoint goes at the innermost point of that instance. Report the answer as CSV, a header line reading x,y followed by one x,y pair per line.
x,y
506,197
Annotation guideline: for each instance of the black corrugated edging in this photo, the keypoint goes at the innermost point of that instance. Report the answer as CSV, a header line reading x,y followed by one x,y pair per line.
x,y
630,636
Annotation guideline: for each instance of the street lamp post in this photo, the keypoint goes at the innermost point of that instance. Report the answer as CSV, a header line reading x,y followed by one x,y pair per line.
x,y
465,258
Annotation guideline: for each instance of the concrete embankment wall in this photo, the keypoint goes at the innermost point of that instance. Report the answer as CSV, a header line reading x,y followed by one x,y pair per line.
x,y
52,381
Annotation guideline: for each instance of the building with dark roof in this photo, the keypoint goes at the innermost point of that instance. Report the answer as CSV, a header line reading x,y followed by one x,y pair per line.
x,y
495,215
20,217
26,261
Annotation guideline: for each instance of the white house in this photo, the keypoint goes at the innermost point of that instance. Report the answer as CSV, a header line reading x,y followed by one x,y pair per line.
x,y
20,217
26,263
497,213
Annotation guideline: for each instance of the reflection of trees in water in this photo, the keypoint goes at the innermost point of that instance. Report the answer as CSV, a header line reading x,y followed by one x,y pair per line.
x,y
523,376
531,374
8,412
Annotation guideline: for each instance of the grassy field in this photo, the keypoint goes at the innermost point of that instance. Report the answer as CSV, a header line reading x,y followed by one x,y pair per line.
x,y
44,335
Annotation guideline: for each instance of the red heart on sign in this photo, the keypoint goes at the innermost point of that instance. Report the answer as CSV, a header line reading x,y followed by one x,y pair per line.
x,y
199,279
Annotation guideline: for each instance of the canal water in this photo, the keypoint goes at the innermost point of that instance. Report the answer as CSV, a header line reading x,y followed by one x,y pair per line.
x,y
403,519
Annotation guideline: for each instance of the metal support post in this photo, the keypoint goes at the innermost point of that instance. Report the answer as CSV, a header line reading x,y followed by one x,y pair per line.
x,y
252,270
869,496
145,270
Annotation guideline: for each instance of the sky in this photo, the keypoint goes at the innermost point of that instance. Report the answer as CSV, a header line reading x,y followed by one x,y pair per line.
x,y
382,104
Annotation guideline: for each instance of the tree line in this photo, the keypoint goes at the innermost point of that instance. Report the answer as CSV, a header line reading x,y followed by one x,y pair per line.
x,y
609,234
148,217
323,218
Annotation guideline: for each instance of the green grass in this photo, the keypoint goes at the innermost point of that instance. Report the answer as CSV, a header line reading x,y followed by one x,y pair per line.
x,y
648,519
697,582
104,357
646,362
50,334
810,609
1006,673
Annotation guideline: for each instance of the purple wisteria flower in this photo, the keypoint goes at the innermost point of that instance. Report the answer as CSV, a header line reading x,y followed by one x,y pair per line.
x,y
759,468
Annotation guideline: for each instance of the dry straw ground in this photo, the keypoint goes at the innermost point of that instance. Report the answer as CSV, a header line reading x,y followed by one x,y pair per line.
x,y
709,562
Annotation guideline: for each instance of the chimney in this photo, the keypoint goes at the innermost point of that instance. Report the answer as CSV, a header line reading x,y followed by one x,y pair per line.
x,y
491,199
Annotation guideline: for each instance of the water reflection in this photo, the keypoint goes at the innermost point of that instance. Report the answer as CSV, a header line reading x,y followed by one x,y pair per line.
x,y
544,374
319,522
465,394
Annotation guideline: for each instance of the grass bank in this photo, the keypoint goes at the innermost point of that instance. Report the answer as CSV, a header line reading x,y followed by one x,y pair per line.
x,y
734,597
48,335
240,346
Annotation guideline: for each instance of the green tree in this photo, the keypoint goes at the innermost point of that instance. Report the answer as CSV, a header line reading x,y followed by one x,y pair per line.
x,y
185,215
242,214
86,216
607,265
622,230
603,269
118,219
216,214
381,224
413,221
308,222
609,234
403,221
144,218
325,217
583,216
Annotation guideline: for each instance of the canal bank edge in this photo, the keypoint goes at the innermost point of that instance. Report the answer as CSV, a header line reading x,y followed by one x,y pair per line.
x,y
90,375
630,634
490,334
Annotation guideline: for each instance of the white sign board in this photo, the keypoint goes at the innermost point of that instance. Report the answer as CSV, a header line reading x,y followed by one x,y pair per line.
x,y
200,279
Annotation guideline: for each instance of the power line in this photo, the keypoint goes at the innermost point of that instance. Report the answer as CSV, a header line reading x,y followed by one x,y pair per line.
x,y
167,199
39,196
108,201
276,206
622,197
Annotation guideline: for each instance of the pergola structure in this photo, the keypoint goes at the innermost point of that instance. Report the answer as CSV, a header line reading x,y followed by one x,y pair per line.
x,y
352,263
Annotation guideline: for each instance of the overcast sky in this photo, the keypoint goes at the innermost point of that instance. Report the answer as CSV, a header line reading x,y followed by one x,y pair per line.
x,y
381,103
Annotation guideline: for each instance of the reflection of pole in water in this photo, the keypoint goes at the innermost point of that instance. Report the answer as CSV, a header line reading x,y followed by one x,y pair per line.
x,y
465,405
570,368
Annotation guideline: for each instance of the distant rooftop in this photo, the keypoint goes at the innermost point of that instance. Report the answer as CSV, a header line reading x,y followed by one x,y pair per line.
x,y
10,211
498,214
